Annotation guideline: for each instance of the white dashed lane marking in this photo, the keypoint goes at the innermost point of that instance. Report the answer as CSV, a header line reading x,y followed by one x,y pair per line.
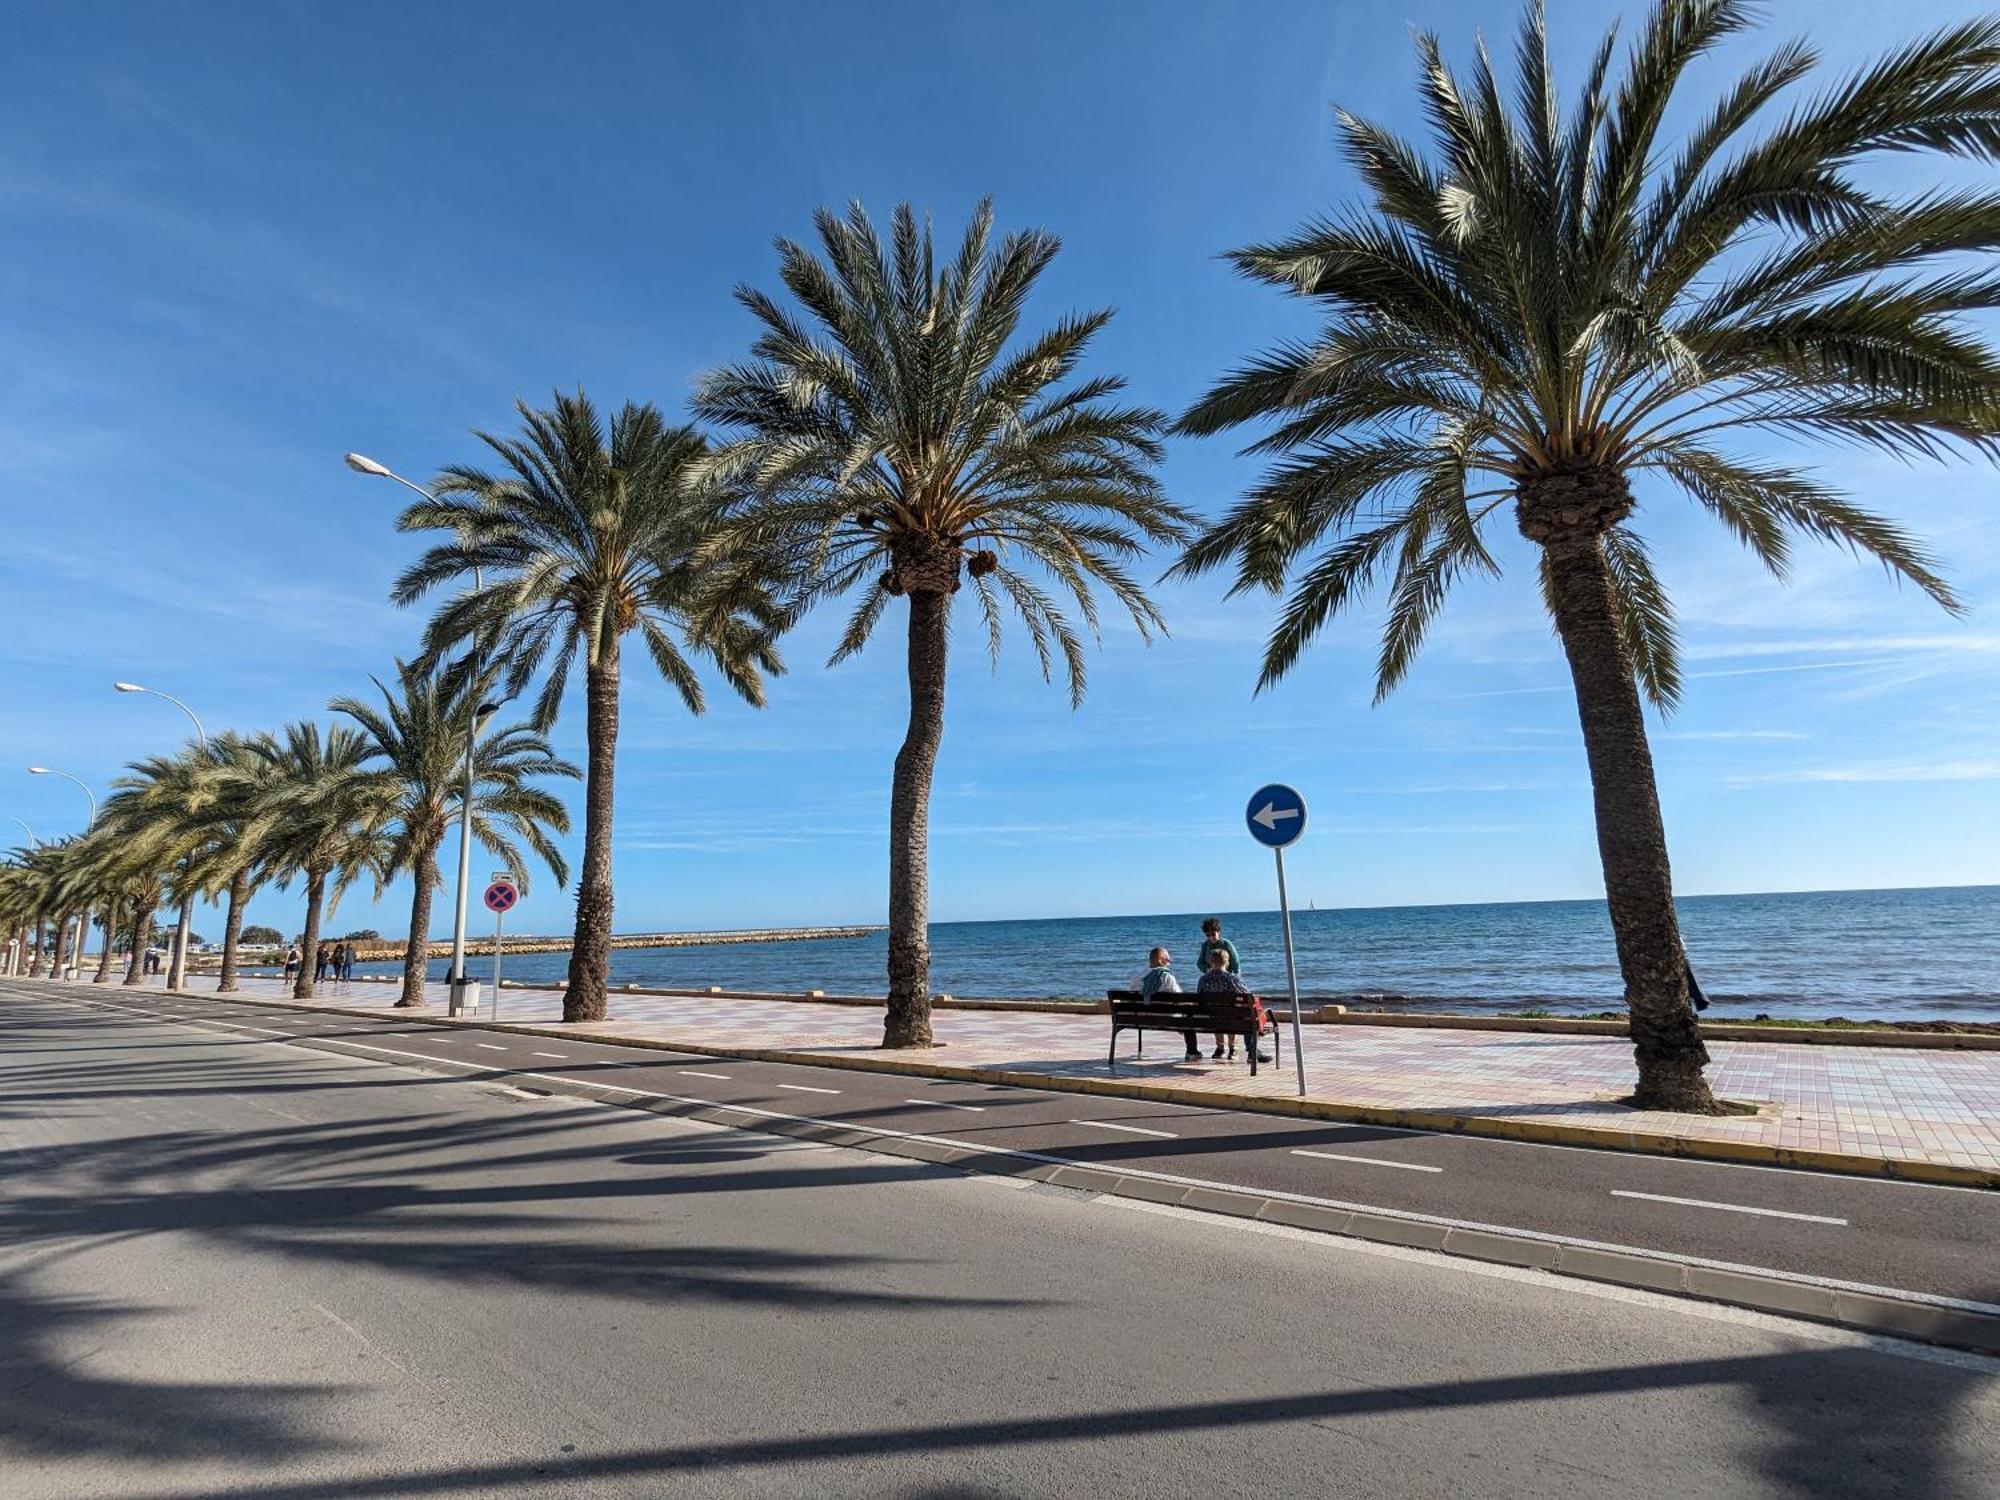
x,y
806,1088
697,1073
1369,1161
977,1109
1731,1208
1128,1129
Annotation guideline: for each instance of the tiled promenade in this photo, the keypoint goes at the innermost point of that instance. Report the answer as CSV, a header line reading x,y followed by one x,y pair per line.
x,y
1893,1104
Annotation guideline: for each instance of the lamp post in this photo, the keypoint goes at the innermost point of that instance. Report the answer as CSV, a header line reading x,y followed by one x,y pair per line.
x,y
177,966
83,921
464,992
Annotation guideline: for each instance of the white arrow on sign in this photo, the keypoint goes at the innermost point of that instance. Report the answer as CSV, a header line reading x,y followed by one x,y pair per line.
x,y
1270,814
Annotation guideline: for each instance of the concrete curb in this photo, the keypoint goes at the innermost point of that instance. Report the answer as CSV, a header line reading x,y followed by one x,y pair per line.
x,y
1535,1132
1877,1310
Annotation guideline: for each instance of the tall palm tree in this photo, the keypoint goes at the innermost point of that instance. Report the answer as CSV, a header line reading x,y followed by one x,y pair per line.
x,y
586,537
147,837
245,800
20,898
1547,306
324,823
899,440
417,736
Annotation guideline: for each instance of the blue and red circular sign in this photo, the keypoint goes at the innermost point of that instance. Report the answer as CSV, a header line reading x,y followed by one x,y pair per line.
x,y
501,896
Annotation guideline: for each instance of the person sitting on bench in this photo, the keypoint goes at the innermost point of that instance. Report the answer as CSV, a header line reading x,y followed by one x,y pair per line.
x,y
1159,980
1219,981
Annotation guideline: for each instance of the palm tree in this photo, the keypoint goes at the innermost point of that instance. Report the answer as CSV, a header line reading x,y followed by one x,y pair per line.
x,y
584,539
147,834
416,752
1550,305
899,440
323,819
245,801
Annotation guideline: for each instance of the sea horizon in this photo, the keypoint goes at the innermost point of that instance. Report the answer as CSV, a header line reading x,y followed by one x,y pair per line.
x,y
1890,953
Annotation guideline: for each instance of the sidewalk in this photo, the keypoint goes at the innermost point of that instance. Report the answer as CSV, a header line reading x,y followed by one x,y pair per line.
x,y
1928,1114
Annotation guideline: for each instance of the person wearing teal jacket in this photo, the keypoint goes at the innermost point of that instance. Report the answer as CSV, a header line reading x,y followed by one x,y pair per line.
x,y
1211,940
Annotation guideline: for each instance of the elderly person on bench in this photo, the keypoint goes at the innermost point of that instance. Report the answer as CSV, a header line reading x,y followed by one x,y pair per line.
x,y
1219,981
1159,980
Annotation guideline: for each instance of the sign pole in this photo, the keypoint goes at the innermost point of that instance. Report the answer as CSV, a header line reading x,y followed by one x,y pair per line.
x,y
1291,975
498,918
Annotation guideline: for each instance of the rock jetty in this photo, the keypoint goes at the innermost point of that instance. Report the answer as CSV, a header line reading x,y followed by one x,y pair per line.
x,y
378,952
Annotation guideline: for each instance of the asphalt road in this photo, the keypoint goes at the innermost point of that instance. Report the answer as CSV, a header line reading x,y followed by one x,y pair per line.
x,y
234,1266
1933,1241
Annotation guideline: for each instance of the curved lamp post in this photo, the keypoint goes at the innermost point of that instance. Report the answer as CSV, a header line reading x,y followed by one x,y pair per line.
x,y
178,965
83,921
464,993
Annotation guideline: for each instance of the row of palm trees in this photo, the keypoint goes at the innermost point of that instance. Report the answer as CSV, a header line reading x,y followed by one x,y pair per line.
x,y
1530,312
320,806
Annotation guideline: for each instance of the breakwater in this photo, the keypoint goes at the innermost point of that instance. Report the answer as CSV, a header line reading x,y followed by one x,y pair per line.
x,y
385,951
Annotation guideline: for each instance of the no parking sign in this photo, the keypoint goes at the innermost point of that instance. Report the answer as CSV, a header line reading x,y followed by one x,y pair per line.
x,y
501,896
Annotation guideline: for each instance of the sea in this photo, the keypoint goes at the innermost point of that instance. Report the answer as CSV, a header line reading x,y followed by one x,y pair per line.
x,y
1920,954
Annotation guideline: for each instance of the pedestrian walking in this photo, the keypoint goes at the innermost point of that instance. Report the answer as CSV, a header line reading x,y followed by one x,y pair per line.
x,y
346,961
291,962
322,956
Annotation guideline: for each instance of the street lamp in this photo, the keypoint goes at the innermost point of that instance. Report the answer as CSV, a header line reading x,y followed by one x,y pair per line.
x,y
177,967
83,922
464,993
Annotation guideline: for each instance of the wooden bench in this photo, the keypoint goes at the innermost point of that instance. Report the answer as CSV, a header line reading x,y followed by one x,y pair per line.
x,y
1230,1015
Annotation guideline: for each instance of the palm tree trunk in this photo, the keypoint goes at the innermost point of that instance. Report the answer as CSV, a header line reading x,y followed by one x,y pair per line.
x,y
1631,836
417,950
142,936
41,936
112,915
177,963
232,930
302,988
590,954
908,1022
62,946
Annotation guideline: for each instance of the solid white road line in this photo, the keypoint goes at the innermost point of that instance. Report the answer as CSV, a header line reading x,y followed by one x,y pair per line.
x,y
697,1073
1128,1129
977,1109
490,1046
1369,1161
1733,1208
806,1088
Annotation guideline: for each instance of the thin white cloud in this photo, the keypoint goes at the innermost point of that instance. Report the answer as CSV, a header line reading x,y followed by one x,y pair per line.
x,y
1906,771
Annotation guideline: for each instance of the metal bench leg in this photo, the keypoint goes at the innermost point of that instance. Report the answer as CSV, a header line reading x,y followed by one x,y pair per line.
x,y
1111,1061
1253,1039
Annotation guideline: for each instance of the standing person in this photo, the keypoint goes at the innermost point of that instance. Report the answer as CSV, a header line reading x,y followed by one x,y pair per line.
x,y
1159,980
346,961
1217,980
339,959
1212,940
291,962
321,959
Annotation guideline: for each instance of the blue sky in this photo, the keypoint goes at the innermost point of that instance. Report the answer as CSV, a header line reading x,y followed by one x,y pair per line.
x,y
241,240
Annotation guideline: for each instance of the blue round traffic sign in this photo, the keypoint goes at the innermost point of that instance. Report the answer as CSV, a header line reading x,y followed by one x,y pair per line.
x,y
501,895
1276,816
